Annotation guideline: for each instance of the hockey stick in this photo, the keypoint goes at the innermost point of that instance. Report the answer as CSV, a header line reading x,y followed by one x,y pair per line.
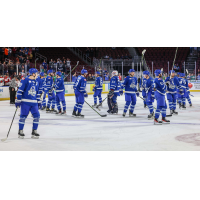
x,y
155,108
3,140
101,103
72,70
95,110
173,62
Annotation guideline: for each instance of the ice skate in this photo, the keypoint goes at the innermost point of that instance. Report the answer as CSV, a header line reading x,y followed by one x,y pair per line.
x,y
157,122
58,112
79,115
63,112
47,110
94,106
74,113
35,135
150,116
21,134
131,114
165,121
175,113
124,114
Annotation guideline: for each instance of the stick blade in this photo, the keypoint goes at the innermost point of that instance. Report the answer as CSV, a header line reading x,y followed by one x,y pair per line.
x,y
168,115
3,140
103,115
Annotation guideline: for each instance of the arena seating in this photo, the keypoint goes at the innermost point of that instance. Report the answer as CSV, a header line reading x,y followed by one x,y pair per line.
x,y
161,55
60,52
102,51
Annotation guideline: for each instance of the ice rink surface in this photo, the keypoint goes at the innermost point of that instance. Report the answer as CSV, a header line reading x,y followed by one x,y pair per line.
x,y
111,133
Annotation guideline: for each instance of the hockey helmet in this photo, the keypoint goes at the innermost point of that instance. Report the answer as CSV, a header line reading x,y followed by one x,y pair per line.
x,y
49,71
146,73
131,70
42,74
182,74
33,71
157,72
98,73
84,71
172,71
115,73
59,73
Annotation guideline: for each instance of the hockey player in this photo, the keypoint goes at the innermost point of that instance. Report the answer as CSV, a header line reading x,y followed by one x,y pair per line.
x,y
149,93
80,93
160,90
182,91
28,98
188,92
48,84
51,102
113,93
172,84
178,90
98,88
141,85
60,94
130,85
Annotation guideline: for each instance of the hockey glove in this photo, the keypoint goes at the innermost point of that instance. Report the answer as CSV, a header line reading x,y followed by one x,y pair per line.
x,y
121,92
137,93
18,103
110,94
39,104
94,89
85,95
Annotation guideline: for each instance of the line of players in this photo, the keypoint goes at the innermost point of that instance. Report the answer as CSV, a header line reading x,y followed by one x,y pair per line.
x,y
32,88
175,87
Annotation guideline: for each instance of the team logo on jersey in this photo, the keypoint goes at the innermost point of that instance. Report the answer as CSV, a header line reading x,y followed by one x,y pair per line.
x,y
132,84
161,83
32,91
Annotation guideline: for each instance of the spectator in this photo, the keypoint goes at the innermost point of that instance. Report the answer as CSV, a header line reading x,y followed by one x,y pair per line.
x,y
68,62
87,52
113,48
7,79
110,57
188,77
120,77
118,57
14,50
198,77
9,52
122,57
44,64
13,89
74,77
107,78
106,56
5,53
89,78
126,56
192,78
1,54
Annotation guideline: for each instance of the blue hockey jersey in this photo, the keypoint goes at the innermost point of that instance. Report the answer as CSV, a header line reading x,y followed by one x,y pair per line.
x,y
40,81
173,84
59,85
182,83
130,84
28,92
99,83
142,83
80,84
115,84
160,86
149,85
49,82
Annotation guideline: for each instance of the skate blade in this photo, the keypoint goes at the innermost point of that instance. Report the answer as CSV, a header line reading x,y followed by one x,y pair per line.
x,y
34,137
21,137
166,122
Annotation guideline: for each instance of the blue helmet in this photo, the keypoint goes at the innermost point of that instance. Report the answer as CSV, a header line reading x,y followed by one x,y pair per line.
x,y
172,71
182,74
98,73
131,70
146,73
178,73
33,71
59,73
157,72
49,71
84,71
42,74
